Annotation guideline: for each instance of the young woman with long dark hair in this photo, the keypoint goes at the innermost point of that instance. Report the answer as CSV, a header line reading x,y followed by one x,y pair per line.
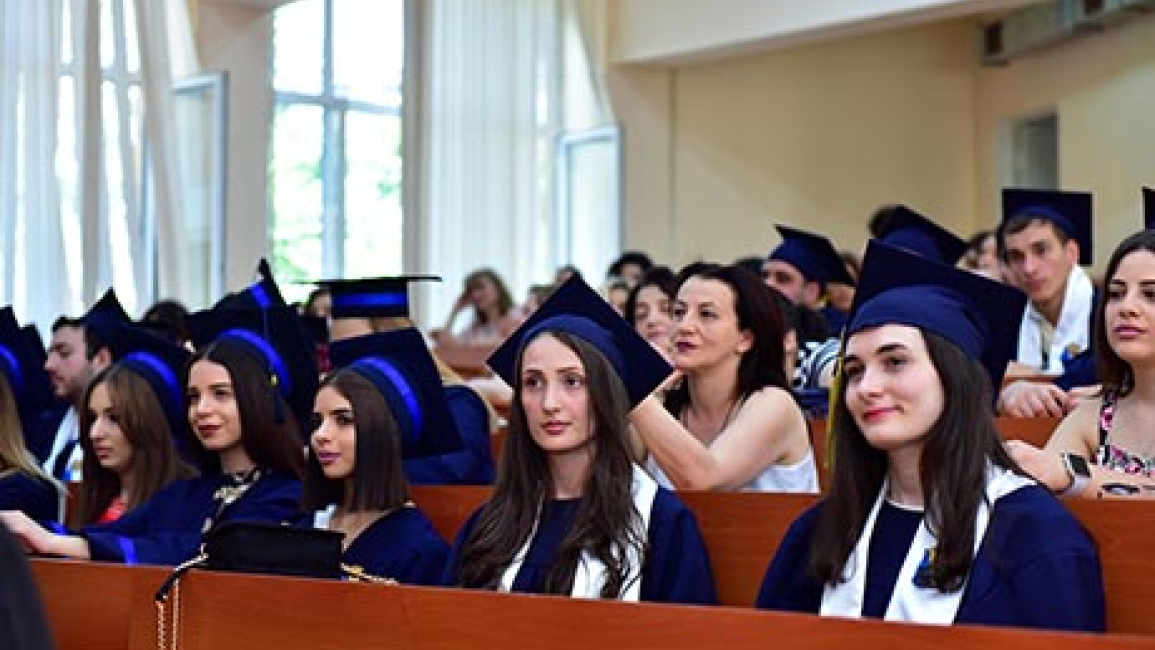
x,y
928,519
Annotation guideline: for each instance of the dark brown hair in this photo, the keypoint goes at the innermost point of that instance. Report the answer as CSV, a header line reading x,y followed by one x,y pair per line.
x,y
952,470
604,523
378,482
1114,372
145,426
270,434
758,312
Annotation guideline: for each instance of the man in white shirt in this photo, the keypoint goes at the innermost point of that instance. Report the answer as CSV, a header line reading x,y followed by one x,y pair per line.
x,y
1043,239
78,352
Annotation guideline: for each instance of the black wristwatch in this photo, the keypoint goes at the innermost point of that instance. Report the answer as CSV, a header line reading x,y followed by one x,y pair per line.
x,y
1079,471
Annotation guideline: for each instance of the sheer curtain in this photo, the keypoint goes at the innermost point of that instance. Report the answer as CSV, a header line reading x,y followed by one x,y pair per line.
x,y
33,251
505,81
72,111
167,54
488,115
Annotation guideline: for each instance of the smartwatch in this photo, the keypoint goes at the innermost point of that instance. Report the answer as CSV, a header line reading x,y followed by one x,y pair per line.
x,y
1079,471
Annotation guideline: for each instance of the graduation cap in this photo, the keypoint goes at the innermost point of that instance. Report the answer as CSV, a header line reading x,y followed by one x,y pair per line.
x,y
276,338
978,315
262,294
914,232
105,316
1148,208
577,309
400,366
372,297
813,255
1069,211
159,362
22,359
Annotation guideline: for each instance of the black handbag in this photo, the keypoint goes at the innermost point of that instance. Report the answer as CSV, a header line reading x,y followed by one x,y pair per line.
x,y
257,547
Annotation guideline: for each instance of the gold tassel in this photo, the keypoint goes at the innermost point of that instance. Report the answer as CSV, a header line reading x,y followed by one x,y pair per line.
x,y
831,407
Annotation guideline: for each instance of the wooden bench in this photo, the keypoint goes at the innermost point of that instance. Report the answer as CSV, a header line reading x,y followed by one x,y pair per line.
x,y
742,531
99,607
467,360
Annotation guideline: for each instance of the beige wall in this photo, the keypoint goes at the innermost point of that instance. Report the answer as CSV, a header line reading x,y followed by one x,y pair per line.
x,y
679,31
235,38
816,136
1102,88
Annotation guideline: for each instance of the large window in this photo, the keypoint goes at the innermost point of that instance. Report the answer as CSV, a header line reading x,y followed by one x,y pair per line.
x,y
122,136
335,159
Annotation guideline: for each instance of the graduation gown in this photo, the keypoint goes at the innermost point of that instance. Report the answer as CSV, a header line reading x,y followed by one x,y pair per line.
x,y
166,529
34,497
40,431
473,465
1037,567
676,568
402,545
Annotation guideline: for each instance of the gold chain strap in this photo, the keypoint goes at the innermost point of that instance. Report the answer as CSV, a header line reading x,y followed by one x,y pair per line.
x,y
162,623
357,573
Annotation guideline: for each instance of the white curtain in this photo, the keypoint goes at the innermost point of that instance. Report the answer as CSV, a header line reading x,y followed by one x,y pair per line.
x,y
57,254
34,281
488,116
166,54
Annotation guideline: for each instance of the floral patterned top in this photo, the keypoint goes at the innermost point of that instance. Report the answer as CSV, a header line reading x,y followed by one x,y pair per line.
x,y
1113,457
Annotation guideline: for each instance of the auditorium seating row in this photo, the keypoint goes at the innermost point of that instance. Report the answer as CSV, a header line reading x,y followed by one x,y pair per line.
x,y
106,606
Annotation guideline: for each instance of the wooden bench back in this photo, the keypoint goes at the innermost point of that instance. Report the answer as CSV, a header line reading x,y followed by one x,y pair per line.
x,y
111,608
742,531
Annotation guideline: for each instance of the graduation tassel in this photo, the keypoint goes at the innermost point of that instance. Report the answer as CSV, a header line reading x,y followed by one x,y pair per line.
x,y
278,406
831,406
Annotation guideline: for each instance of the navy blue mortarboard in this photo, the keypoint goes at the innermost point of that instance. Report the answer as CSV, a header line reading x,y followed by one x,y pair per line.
x,y
105,316
159,362
577,309
372,297
1148,208
978,315
262,294
400,366
22,362
813,255
914,232
276,337
1069,211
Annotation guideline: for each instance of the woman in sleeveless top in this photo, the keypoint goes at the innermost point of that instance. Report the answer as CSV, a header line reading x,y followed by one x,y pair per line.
x,y
570,512
1113,433
494,316
732,423
927,519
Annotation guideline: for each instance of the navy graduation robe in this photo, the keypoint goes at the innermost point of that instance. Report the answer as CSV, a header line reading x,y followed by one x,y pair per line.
x,y
34,497
40,431
166,529
1037,567
402,545
835,319
473,465
676,567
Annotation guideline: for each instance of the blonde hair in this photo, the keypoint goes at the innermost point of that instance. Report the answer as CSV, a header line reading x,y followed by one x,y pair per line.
x,y
14,456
